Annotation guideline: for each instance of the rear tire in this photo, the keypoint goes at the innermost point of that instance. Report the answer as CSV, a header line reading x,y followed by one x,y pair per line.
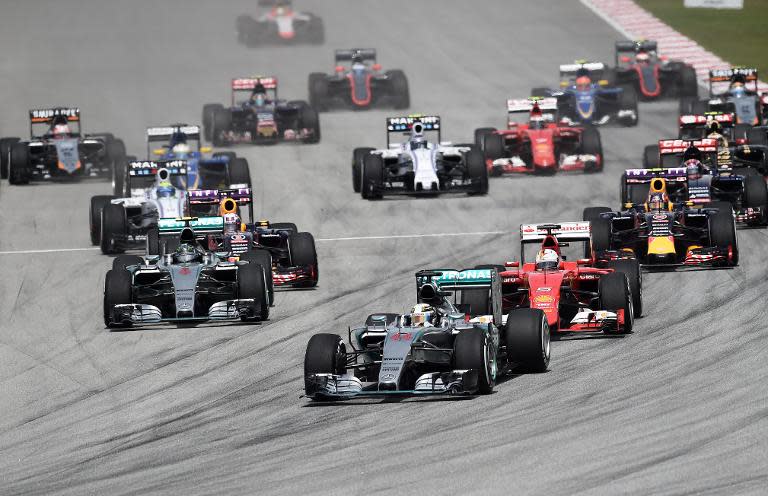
x,y
326,354
477,171
689,84
113,226
318,91
493,146
614,294
593,216
755,191
118,290
651,158
302,252
480,133
526,335
398,87
239,172
310,120
94,216
5,155
222,122
358,155
18,171
628,101
592,145
473,350
209,109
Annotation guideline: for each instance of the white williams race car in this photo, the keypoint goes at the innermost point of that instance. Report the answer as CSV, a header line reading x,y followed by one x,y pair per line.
x,y
418,166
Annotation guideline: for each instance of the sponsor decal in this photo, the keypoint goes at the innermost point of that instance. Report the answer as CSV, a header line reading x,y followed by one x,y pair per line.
x,y
405,336
544,289
185,271
543,299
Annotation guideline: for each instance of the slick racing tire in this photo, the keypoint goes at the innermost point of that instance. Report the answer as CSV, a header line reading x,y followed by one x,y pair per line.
x,y
540,91
153,241
94,216
288,226
722,229
5,155
357,166
310,120
18,170
373,174
755,191
631,269
117,291
472,349
315,31
239,172
479,301
325,354
628,101
115,157
493,146
480,134
318,91
526,337
113,226
603,240
688,84
398,88
302,252
740,130
614,294
477,171
209,109
592,145
264,259
651,158
123,261
685,107
252,285
222,122
391,318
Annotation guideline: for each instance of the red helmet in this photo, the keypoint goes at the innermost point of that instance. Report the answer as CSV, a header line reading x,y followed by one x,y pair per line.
x,y
583,82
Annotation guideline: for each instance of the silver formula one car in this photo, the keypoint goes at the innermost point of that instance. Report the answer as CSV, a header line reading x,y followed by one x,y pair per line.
x,y
452,342
185,286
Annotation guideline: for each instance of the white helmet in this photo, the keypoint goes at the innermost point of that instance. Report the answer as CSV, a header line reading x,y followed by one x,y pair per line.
x,y
422,314
181,150
60,130
547,259
231,223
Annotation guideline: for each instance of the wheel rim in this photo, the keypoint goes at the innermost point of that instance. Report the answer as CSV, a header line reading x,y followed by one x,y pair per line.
x,y
545,341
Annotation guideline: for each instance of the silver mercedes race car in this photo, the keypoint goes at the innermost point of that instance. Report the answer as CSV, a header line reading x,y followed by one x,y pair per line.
x,y
453,341
418,166
187,285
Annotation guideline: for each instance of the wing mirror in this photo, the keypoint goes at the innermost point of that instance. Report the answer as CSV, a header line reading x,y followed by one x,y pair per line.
x,y
512,265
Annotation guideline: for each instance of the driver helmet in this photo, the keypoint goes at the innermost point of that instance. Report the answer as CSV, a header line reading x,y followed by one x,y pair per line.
x,y
583,83
536,120
165,189
60,130
186,253
713,127
642,57
547,259
693,169
657,202
692,152
418,141
231,223
259,95
422,314
181,150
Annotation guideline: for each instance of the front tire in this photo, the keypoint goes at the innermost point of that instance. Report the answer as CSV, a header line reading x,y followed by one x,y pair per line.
x,y
373,174
264,259
118,290
472,350
251,285
614,295
325,354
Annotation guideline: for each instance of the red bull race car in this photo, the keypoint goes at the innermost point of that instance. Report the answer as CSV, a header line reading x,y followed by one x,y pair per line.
x,y
539,144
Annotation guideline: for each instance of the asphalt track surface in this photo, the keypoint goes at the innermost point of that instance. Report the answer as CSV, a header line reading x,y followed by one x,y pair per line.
x,y
678,407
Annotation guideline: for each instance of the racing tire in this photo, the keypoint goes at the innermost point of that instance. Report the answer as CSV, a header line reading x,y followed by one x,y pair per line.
x,y
358,154
685,107
247,30
310,120
593,215
302,252
119,171
239,172
479,301
688,83
540,91
264,259
315,31
758,136
288,226
527,340
601,234
252,285
477,171
5,155
722,229
631,269
473,350
209,109
480,133
153,241
740,130
325,354
398,88
651,158
755,191
614,294
222,122
592,145
123,261
493,146
113,224
18,170
700,107
391,318
373,174
118,290
98,203
628,101
318,91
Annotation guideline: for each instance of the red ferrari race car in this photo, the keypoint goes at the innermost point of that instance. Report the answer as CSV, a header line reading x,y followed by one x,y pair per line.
x,y
540,145
576,296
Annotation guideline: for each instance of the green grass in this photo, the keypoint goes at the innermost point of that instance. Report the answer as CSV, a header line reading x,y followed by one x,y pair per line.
x,y
738,36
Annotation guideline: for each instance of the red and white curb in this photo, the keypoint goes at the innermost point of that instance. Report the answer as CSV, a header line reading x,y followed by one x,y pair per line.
x,y
634,22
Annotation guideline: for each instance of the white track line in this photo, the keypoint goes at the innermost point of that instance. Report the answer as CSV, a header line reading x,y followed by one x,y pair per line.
x,y
319,240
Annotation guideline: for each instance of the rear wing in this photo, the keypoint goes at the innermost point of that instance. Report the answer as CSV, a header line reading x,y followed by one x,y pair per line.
x,y
636,46
47,116
570,231
165,133
672,174
149,168
526,104
568,71
725,119
198,224
454,281
405,124
348,54
725,75
676,146
213,196
249,83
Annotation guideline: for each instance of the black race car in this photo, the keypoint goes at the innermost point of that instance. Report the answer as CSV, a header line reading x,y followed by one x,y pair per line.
x,y
260,117
653,77
358,85
57,150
